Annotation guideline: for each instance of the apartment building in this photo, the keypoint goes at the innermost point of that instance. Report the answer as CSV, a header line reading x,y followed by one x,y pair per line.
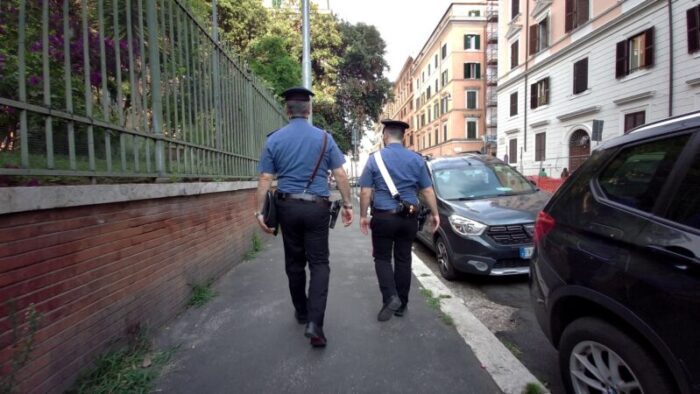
x,y
401,108
450,85
575,72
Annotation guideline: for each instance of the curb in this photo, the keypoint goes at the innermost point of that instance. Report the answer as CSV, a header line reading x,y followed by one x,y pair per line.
x,y
510,375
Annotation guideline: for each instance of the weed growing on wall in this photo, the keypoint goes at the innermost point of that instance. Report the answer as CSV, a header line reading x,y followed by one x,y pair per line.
x,y
23,335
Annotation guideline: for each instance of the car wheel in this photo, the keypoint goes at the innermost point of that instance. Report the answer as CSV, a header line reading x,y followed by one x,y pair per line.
x,y
444,259
596,357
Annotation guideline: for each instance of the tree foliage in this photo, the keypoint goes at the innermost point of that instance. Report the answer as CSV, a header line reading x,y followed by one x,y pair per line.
x,y
347,60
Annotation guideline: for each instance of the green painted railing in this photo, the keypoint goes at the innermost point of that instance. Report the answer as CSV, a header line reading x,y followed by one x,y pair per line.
x,y
125,88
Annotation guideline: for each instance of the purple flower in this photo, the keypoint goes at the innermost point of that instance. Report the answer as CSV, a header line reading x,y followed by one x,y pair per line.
x,y
95,78
34,80
36,46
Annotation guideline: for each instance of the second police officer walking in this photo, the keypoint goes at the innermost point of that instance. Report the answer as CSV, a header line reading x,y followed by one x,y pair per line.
x,y
293,153
394,222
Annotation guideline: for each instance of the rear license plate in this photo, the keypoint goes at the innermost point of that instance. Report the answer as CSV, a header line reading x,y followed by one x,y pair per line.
x,y
526,252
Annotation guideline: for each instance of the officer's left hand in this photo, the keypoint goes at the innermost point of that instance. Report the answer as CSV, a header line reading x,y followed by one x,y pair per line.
x,y
263,226
364,225
347,216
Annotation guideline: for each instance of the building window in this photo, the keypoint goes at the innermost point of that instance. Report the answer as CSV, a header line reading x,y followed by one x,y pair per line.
x,y
422,119
422,77
429,70
444,78
514,54
635,53
539,93
430,139
513,151
577,13
693,27
444,132
417,83
427,93
472,41
472,71
633,120
443,105
471,99
515,8
581,76
436,110
437,140
443,51
539,36
474,13
437,86
418,103
436,61
540,143
471,129
513,104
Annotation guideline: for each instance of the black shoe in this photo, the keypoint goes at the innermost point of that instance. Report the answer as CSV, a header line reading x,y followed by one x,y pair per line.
x,y
301,317
315,334
401,311
389,308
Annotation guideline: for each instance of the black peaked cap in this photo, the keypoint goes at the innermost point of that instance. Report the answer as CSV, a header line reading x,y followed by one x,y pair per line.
x,y
297,93
395,124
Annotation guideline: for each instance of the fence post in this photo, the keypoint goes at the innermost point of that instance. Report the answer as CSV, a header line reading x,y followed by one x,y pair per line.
x,y
157,105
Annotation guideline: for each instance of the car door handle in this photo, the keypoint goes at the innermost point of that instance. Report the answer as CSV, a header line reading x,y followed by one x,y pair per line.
x,y
676,252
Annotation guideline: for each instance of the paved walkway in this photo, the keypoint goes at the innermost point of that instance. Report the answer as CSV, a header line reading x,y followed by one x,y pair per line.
x,y
246,340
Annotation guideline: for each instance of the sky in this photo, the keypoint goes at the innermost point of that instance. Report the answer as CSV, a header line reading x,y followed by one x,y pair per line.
x,y
405,25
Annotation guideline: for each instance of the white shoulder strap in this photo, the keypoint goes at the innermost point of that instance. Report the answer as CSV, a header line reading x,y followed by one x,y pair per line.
x,y
385,175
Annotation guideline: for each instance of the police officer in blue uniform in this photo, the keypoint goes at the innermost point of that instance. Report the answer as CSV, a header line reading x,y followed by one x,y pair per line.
x,y
393,229
292,153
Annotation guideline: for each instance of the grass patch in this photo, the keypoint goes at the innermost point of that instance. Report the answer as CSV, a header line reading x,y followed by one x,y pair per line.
x,y
434,303
533,388
130,370
513,348
201,294
255,247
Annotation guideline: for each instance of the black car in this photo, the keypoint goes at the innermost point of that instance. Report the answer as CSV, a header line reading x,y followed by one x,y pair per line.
x,y
615,279
487,216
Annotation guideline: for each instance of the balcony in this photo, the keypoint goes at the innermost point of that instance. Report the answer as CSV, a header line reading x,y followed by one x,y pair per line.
x,y
492,33
491,99
492,56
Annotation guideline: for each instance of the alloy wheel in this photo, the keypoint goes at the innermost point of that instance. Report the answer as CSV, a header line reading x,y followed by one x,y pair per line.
x,y
595,368
442,256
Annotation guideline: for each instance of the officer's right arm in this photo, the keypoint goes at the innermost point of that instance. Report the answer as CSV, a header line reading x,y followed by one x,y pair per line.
x,y
266,167
366,188
425,186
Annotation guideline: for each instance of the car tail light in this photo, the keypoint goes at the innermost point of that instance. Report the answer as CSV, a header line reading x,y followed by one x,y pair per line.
x,y
544,224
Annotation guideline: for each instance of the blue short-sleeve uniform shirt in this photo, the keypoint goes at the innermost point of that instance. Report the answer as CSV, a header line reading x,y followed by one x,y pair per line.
x,y
291,153
407,170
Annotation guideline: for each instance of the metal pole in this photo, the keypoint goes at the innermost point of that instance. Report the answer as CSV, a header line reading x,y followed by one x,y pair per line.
x,y
217,79
306,59
156,104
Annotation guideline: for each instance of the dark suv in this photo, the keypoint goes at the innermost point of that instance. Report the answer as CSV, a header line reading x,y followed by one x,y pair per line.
x,y
615,279
487,216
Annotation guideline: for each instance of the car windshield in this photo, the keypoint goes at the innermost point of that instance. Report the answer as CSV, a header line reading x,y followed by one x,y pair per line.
x,y
471,182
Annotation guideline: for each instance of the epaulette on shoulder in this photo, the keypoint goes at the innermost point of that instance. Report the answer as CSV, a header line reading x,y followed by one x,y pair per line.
x,y
272,132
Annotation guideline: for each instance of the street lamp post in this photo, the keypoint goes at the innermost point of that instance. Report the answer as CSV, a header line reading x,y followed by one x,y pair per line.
x,y
306,53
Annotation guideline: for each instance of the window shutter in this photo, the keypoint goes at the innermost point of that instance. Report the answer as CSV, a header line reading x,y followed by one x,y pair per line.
x,y
546,90
649,49
580,76
533,39
693,17
570,15
515,8
513,104
466,70
477,71
581,12
621,65
477,42
533,96
466,41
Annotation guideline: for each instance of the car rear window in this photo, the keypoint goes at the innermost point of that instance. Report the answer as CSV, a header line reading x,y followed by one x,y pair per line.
x,y
636,175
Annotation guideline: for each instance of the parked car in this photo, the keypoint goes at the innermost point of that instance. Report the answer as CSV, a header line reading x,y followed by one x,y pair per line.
x,y
615,279
487,215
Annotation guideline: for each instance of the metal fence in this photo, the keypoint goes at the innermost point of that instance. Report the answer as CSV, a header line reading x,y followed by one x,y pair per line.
x,y
125,88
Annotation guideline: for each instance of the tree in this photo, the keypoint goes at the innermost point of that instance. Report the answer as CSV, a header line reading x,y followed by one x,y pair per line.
x,y
362,87
241,22
271,61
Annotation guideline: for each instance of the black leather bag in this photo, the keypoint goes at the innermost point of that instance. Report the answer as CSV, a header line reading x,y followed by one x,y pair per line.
x,y
270,211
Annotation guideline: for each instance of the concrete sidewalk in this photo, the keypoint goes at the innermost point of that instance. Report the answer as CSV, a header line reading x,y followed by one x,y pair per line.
x,y
247,341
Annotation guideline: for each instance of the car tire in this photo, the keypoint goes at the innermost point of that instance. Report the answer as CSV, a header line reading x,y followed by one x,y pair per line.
x,y
444,259
590,343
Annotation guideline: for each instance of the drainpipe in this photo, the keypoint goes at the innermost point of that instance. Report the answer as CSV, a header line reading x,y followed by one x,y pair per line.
x,y
526,26
670,58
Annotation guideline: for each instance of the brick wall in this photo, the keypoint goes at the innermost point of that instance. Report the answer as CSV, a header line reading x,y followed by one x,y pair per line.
x,y
98,273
